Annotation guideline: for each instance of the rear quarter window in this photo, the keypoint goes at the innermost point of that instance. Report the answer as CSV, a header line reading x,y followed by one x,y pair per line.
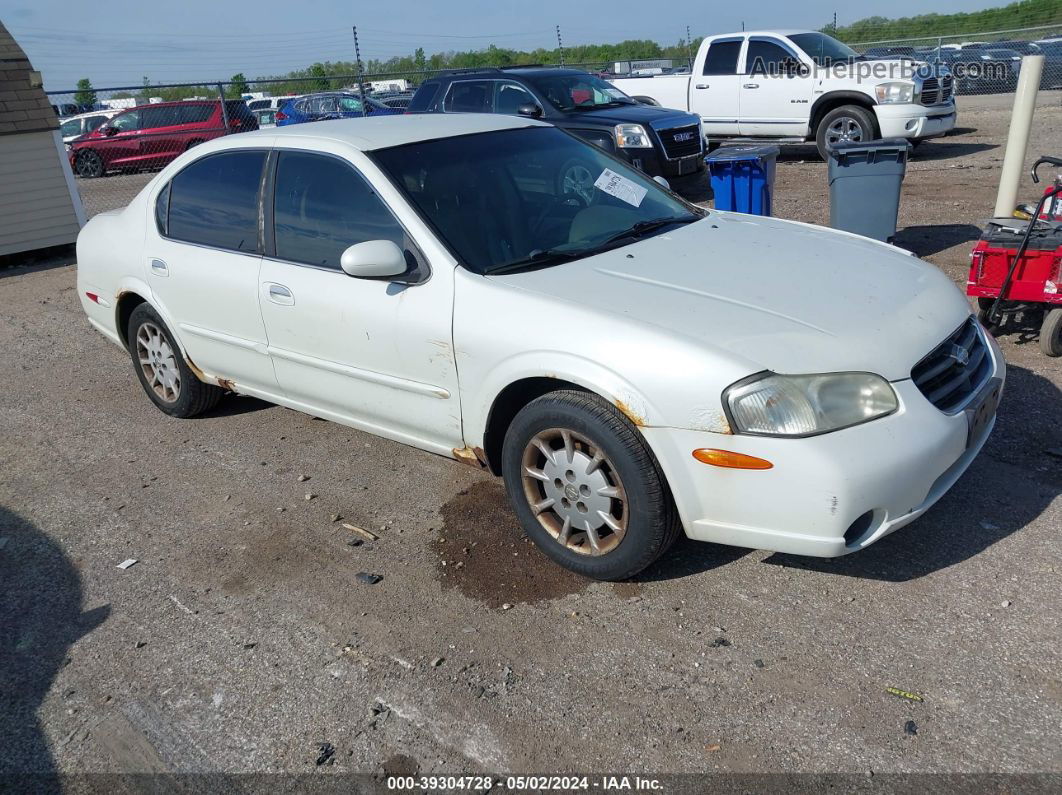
x,y
425,96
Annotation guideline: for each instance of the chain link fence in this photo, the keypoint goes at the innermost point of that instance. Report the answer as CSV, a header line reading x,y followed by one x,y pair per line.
x,y
118,138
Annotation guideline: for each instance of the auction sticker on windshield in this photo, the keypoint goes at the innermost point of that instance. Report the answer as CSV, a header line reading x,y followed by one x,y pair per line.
x,y
622,188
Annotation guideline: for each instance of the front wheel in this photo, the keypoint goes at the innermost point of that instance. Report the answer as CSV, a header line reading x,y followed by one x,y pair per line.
x,y
1051,332
586,487
162,370
89,164
846,124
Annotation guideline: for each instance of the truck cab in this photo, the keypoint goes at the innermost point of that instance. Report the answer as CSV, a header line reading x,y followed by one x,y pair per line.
x,y
795,86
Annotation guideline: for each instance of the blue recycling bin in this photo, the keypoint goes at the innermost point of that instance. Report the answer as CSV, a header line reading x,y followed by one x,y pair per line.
x,y
743,178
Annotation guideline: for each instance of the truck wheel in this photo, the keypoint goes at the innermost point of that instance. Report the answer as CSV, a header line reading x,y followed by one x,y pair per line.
x,y
586,487
1051,332
846,123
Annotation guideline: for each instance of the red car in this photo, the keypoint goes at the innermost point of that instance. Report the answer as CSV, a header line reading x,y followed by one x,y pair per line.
x,y
150,136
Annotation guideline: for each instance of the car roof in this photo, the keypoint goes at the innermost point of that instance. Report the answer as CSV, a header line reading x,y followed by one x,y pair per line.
x,y
380,132
779,32
508,71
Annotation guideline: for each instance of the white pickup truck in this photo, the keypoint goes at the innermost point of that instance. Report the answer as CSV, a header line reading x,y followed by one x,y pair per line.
x,y
795,86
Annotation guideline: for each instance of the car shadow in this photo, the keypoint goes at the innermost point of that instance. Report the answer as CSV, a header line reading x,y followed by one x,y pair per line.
x,y
40,619
1022,327
1009,486
688,558
40,260
234,405
932,239
946,149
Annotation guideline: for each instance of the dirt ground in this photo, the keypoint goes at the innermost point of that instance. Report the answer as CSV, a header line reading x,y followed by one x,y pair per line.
x,y
242,640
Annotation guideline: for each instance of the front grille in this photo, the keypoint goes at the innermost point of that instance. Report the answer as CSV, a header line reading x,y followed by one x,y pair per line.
x,y
955,369
674,149
937,92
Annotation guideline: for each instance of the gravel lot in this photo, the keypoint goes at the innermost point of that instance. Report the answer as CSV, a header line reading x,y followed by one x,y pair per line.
x,y
241,641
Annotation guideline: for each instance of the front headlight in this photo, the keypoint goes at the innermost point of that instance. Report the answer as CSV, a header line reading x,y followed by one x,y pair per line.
x,y
805,405
632,136
894,93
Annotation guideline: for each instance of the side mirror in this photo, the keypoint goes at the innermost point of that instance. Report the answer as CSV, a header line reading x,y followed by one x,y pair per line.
x,y
109,131
373,259
661,181
530,109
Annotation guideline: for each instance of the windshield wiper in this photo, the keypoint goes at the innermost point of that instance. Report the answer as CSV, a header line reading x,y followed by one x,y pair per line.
x,y
544,256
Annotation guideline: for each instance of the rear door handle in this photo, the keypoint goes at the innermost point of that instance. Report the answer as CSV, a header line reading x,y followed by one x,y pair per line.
x,y
279,294
751,85
702,85
159,268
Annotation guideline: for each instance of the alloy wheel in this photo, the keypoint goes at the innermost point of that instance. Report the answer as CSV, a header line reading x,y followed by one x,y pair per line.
x,y
579,181
844,129
158,362
574,491
89,164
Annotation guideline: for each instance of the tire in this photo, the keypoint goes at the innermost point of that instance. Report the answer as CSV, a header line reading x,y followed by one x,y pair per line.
x,y
89,164
576,178
162,370
848,122
636,521
1051,332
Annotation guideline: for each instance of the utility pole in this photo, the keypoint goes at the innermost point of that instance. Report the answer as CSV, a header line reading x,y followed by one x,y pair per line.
x,y
357,63
560,46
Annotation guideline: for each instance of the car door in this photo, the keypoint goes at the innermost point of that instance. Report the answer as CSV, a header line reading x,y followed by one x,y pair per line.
x,y
120,142
202,261
159,134
714,92
510,96
774,99
373,353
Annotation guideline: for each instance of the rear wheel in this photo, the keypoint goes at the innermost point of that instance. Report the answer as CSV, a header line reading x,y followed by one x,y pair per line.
x,y
162,370
1051,332
848,123
89,164
586,487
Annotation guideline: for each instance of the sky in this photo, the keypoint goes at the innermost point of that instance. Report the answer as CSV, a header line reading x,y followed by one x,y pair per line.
x,y
118,42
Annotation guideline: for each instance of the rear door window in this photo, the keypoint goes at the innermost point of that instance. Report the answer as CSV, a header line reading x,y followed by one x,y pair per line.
x,y
424,97
214,201
469,96
194,113
722,57
322,206
166,116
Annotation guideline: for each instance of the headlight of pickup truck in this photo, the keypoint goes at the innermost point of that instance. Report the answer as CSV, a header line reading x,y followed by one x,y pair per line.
x,y
632,136
894,93
806,405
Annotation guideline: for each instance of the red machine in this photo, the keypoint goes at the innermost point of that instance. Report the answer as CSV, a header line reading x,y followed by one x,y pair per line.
x,y
1017,265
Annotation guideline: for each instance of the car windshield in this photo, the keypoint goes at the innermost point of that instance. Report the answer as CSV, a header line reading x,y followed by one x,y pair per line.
x,y
822,49
579,91
529,197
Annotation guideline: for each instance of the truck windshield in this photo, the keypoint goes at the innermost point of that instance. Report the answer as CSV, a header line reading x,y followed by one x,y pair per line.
x,y
529,197
822,49
579,92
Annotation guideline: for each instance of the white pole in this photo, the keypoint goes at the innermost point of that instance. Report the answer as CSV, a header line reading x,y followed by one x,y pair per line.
x,y
1032,66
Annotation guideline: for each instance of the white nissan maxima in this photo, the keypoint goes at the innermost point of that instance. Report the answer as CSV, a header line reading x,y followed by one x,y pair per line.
x,y
630,364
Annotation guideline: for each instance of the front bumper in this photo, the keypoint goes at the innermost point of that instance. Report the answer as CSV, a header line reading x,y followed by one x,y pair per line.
x,y
894,468
915,121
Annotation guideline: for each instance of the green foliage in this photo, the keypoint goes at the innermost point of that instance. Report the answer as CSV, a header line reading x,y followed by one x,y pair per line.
x,y
85,95
1022,14
237,85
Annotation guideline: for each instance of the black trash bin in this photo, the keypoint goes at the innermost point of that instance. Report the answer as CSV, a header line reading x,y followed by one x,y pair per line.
x,y
865,180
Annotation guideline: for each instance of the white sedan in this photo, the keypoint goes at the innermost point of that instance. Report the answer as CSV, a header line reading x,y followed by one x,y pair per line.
x,y
630,364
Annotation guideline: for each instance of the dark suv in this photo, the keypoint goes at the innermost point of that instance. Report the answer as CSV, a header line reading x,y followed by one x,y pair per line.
x,y
150,136
659,141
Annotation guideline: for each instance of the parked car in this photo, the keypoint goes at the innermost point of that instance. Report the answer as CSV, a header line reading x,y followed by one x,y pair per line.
x,y
270,103
150,136
633,366
330,105
79,125
810,87
975,72
266,118
661,142
889,52
398,101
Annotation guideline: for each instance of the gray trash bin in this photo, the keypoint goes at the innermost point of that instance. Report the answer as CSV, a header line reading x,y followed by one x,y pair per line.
x,y
865,180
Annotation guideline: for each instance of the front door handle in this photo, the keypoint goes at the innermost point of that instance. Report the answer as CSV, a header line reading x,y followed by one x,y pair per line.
x,y
751,85
159,268
279,294
702,85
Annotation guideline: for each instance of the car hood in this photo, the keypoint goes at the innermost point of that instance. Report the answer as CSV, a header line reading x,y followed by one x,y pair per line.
x,y
637,114
779,295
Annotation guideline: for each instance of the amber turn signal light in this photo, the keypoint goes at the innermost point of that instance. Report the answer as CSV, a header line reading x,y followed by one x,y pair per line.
x,y
724,458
